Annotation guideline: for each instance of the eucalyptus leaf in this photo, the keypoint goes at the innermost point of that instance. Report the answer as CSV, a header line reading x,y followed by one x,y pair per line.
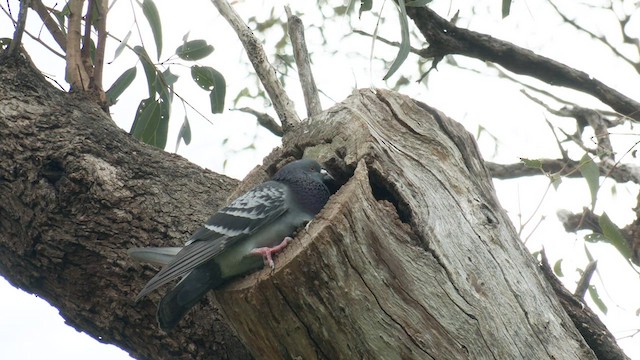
x,y
121,84
591,174
194,50
150,12
405,44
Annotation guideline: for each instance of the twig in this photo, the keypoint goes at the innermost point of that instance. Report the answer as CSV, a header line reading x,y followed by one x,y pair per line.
x,y
583,283
265,120
621,173
17,34
281,102
50,23
300,53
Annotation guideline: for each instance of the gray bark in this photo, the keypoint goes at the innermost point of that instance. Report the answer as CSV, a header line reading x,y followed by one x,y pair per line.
x,y
412,258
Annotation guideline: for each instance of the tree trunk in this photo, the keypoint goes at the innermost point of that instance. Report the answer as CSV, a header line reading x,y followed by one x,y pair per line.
x,y
412,258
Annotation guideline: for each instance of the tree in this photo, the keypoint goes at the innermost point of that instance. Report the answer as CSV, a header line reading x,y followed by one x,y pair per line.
x,y
76,204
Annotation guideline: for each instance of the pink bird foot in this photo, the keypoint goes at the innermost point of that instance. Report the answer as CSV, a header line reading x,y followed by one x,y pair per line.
x,y
267,252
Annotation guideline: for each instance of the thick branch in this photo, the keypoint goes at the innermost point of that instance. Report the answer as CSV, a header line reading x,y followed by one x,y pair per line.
x,y
445,38
77,191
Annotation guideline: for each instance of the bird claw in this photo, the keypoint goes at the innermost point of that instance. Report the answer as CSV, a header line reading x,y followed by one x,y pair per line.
x,y
267,252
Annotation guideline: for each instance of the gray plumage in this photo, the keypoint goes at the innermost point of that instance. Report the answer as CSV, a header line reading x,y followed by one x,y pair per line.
x,y
231,241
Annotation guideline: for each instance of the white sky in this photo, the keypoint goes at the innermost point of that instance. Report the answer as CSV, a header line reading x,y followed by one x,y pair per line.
x,y
31,329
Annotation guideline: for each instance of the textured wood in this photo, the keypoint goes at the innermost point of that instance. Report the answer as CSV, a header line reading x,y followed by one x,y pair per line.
x,y
412,258
75,192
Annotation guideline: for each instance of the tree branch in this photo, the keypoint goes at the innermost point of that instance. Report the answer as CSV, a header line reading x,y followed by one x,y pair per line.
x,y
444,38
50,23
301,54
620,173
16,42
78,77
281,102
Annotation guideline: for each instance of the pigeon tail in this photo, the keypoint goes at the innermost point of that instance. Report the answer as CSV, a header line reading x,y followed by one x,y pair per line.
x,y
177,302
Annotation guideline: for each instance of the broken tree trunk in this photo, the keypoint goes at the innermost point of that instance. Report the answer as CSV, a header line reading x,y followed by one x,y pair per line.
x,y
413,258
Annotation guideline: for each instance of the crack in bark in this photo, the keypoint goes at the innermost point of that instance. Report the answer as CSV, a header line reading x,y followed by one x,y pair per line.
x,y
415,342
300,321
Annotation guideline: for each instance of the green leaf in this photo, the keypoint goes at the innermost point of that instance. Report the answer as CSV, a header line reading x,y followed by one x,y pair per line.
x,y
150,125
185,133
418,3
591,173
405,44
506,8
365,5
5,42
210,79
149,69
194,50
534,164
556,180
121,47
594,238
614,235
557,268
593,292
150,11
120,85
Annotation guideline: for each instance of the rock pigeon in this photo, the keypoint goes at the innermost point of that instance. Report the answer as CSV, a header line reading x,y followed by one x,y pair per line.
x,y
238,239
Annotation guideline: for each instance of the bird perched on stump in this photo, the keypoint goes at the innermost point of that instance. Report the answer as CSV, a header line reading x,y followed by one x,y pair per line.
x,y
238,239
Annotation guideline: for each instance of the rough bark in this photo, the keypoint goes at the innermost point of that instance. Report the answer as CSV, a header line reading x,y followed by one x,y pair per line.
x,y
75,192
412,258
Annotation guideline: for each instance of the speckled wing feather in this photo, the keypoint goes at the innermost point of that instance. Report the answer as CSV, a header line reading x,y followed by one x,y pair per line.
x,y
242,218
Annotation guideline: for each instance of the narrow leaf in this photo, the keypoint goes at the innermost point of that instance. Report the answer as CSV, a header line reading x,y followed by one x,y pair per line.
x,y
418,3
365,5
149,125
150,11
405,45
591,173
614,235
149,69
506,8
211,80
194,50
121,84
593,292
557,268
185,133
121,47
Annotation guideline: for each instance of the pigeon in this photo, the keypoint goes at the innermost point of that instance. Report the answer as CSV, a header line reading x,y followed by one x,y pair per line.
x,y
240,238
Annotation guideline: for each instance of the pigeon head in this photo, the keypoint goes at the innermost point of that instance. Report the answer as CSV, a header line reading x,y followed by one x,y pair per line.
x,y
308,183
304,167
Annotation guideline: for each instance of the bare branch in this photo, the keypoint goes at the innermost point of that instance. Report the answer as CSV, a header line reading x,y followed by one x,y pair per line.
x,y
621,173
265,120
583,283
78,77
301,54
281,102
444,38
17,34
601,39
50,23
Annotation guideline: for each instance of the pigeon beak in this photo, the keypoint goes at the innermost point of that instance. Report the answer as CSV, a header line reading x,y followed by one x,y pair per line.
x,y
326,176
